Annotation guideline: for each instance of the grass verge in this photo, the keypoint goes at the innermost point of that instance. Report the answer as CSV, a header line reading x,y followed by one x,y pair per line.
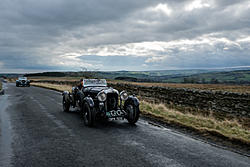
x,y
231,130
56,87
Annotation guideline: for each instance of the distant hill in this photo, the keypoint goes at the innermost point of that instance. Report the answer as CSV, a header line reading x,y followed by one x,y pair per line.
x,y
167,76
123,75
10,75
230,77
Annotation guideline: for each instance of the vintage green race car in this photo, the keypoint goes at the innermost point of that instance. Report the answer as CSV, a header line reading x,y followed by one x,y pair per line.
x,y
95,100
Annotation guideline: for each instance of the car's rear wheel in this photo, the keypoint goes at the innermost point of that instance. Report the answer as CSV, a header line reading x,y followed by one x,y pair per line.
x,y
133,113
66,105
88,114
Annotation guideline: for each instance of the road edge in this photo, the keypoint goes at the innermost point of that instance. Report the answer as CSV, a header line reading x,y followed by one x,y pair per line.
x,y
2,90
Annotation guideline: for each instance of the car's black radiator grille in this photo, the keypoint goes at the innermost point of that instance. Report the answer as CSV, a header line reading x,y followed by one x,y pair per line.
x,y
112,101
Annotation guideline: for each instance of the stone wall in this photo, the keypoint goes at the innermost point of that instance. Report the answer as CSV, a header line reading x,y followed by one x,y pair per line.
x,y
221,102
226,102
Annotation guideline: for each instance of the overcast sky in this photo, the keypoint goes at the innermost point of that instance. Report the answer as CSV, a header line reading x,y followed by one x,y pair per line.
x,y
52,35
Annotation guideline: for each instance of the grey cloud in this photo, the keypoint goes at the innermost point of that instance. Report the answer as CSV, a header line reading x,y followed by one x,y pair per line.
x,y
34,34
116,62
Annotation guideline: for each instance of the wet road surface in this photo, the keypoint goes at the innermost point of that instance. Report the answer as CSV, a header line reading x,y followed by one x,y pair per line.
x,y
35,132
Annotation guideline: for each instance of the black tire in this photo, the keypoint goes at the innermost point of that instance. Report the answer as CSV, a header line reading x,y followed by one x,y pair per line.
x,y
17,85
133,113
88,114
66,105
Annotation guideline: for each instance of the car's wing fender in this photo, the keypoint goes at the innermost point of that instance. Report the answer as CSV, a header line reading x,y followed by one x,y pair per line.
x,y
132,100
66,96
89,100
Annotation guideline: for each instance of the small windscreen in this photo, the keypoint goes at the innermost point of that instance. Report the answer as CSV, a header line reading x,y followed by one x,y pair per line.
x,y
22,78
94,82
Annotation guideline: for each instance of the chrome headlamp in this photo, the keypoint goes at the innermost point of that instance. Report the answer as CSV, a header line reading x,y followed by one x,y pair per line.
x,y
124,95
102,96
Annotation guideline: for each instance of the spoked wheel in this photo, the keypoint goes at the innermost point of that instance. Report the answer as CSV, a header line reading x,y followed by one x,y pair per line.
x,y
133,113
66,105
88,114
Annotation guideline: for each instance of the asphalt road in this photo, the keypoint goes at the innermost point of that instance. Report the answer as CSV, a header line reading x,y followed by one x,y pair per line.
x,y
35,132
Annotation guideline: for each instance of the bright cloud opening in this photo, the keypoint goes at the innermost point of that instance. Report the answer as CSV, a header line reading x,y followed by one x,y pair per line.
x,y
197,4
164,8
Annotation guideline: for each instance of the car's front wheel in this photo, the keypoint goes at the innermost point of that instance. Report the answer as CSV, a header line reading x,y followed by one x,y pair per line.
x,y
133,113
88,114
66,105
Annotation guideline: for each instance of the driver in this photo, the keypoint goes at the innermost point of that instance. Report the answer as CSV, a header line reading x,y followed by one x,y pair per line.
x,y
81,84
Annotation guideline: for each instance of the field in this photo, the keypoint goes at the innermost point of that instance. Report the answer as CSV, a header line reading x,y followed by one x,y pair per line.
x,y
236,77
212,87
231,129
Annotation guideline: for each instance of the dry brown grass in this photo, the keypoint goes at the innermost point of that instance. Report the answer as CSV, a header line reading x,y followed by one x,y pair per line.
x,y
53,86
230,129
11,79
55,78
